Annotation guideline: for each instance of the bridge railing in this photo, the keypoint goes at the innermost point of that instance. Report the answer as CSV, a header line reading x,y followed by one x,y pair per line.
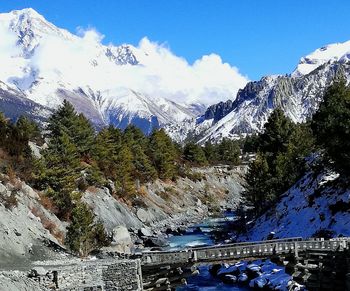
x,y
243,250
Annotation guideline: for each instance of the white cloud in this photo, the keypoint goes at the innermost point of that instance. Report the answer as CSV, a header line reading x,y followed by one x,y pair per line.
x,y
81,61
9,54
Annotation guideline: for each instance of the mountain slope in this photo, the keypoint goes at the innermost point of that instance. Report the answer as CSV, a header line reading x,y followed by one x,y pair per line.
x,y
145,85
318,203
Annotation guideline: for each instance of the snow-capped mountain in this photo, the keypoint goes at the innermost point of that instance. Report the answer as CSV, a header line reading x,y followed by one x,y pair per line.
x,y
298,94
145,85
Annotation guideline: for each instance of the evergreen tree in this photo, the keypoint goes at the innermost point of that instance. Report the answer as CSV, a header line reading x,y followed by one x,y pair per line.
x,y
29,128
258,192
194,154
124,178
62,120
163,154
283,147
229,151
331,126
83,234
3,130
59,171
83,135
276,133
210,152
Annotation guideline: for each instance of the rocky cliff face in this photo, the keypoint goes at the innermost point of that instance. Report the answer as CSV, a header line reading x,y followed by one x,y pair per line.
x,y
28,230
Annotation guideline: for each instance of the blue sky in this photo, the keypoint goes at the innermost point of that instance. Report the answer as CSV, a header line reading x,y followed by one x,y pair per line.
x,y
259,37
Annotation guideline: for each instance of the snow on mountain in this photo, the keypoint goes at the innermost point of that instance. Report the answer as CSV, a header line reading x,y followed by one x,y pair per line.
x,y
147,85
298,95
329,53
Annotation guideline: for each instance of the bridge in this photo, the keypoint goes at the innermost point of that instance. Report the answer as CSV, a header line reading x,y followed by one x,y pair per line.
x,y
314,261
239,251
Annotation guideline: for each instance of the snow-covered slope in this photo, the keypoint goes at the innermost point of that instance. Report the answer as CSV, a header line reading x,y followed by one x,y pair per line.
x,y
298,95
332,52
318,203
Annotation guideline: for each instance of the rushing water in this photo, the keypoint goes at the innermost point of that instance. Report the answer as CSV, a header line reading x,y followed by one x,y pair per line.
x,y
202,234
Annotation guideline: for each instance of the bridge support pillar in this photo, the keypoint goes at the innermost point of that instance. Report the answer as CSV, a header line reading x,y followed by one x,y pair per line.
x,y
296,249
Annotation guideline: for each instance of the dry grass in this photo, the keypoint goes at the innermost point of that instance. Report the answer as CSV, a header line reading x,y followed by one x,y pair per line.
x,y
47,203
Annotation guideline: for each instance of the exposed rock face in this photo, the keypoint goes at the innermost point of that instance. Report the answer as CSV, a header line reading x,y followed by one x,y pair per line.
x,y
298,96
25,225
109,210
219,110
18,281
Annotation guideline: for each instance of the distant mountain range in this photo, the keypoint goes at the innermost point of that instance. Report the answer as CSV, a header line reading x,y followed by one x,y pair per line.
x,y
298,94
103,82
41,65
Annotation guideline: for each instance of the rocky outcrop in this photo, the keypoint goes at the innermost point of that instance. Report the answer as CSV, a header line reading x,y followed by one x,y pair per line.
x,y
26,227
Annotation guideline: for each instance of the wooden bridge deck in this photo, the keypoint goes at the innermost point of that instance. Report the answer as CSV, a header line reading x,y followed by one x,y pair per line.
x,y
241,250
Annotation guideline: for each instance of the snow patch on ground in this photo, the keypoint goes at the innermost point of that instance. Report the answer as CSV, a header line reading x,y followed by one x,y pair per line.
x,y
316,202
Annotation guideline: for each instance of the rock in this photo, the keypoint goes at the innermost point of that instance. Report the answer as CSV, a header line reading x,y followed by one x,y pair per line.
x,y
243,278
214,269
156,242
39,271
121,239
111,185
2,188
143,231
229,279
143,215
28,191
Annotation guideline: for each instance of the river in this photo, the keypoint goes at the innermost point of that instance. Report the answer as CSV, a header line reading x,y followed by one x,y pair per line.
x,y
205,234
219,231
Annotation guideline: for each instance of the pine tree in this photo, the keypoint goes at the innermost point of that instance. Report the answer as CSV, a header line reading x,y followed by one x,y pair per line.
x,y
229,151
124,178
210,152
59,171
83,135
276,133
62,120
331,126
83,234
194,154
163,154
257,190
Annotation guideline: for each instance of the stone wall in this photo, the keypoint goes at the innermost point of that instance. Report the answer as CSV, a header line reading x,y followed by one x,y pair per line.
x,y
117,275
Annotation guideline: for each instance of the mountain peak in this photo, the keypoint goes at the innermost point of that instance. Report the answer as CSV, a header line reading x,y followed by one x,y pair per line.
x,y
332,52
30,12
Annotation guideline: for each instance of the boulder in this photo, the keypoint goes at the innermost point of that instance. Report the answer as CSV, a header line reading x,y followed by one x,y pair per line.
x,y
156,242
143,231
121,242
28,191
229,279
144,215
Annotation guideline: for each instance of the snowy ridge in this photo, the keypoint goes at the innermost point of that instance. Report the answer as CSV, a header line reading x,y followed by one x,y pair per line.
x,y
330,53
